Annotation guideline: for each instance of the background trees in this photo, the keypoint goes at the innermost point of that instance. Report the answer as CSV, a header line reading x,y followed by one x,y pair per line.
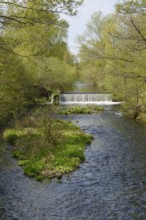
x,y
33,50
117,43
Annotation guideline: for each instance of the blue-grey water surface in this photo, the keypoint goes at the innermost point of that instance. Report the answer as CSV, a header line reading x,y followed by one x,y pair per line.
x,y
109,185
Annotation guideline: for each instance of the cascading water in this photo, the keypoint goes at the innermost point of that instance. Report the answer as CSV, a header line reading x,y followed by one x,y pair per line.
x,y
86,98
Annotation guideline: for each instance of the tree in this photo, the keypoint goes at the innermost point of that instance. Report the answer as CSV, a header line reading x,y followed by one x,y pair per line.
x,y
131,37
56,74
30,33
120,43
96,46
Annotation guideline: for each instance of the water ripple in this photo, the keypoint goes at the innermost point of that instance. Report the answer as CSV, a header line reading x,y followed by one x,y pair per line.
x,y
110,185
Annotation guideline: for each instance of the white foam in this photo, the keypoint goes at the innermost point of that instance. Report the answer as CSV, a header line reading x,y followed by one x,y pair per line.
x,y
90,103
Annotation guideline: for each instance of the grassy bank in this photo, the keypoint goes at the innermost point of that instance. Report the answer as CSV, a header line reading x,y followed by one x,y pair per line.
x,y
47,148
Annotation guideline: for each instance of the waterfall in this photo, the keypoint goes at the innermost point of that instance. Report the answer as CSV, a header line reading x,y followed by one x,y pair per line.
x,y
86,98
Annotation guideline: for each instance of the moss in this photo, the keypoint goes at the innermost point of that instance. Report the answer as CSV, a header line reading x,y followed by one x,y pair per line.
x,y
81,110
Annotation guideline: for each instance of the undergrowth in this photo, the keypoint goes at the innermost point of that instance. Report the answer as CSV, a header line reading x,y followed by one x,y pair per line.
x,y
47,147
80,110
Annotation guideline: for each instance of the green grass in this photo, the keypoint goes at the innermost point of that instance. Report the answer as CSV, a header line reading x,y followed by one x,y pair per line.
x,y
45,160
81,110
11,135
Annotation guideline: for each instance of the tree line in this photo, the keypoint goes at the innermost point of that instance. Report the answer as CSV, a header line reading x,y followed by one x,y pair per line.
x,y
34,54
33,51
113,54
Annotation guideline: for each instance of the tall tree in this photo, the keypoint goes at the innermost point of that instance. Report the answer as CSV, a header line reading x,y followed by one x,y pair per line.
x,y
120,40
30,33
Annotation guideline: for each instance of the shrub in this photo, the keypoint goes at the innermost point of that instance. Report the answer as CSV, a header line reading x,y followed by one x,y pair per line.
x,y
48,149
11,135
81,110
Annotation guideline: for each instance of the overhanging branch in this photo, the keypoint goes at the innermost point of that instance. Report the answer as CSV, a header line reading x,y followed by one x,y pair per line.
x,y
137,29
93,54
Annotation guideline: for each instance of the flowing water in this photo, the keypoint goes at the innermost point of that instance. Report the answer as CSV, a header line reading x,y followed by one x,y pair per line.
x,y
109,185
83,87
86,94
86,98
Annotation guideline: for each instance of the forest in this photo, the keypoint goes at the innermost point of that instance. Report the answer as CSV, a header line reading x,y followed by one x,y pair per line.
x,y
35,62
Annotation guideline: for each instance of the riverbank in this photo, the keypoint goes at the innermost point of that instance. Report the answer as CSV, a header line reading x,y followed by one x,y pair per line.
x,y
47,147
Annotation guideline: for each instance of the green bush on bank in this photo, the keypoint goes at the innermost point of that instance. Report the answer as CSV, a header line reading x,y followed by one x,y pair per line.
x,y
11,135
46,157
142,117
81,110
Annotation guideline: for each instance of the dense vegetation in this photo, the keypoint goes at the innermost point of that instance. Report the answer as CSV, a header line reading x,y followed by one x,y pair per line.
x,y
35,59
34,56
45,147
34,63
81,110
112,54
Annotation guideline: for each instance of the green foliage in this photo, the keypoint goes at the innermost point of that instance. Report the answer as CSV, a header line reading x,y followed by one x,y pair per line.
x,y
33,50
80,110
15,88
11,135
46,147
113,48
56,74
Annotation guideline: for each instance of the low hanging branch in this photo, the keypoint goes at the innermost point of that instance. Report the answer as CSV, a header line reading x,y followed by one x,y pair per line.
x,y
94,54
54,6
9,20
3,19
138,30
10,51
130,76
130,7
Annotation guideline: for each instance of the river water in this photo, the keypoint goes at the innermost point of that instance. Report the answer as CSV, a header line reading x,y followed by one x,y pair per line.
x,y
110,184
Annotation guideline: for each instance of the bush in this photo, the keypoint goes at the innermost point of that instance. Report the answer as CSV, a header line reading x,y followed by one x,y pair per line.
x,y
11,135
81,110
48,149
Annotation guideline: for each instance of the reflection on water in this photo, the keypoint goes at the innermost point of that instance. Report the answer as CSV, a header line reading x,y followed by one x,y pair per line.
x,y
84,87
110,184
86,94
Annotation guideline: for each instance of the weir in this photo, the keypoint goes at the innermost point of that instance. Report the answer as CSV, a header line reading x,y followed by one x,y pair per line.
x,y
86,98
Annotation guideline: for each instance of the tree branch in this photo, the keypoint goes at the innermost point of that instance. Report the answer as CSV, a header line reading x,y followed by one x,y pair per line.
x,y
138,30
58,8
10,18
130,76
97,56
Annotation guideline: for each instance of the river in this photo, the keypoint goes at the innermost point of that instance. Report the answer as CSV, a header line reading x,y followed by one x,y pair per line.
x,y
109,185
